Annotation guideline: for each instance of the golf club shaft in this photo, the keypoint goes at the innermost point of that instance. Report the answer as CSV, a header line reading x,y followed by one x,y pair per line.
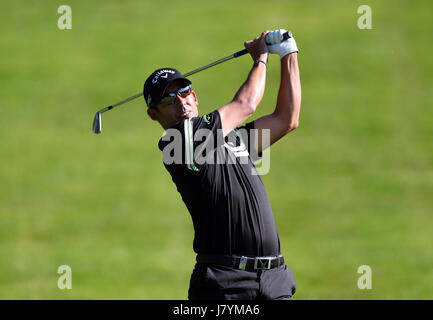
x,y
237,54
234,55
122,102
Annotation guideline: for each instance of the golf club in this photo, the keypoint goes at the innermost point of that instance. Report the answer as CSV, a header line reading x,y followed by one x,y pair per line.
x,y
97,122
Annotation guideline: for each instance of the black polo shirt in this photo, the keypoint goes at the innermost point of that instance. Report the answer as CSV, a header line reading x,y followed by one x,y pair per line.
x,y
228,203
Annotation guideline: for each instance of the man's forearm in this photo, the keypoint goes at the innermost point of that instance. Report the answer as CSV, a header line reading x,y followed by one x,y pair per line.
x,y
251,92
289,95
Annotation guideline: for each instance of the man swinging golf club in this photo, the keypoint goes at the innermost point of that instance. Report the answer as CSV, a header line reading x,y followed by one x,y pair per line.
x,y
236,239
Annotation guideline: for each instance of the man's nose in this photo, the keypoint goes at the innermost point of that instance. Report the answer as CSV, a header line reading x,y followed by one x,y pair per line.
x,y
179,100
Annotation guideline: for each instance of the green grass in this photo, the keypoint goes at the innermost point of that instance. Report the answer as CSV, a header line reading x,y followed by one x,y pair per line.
x,y
351,186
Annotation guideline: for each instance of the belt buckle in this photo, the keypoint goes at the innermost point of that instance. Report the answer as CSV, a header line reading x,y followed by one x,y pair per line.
x,y
242,263
262,263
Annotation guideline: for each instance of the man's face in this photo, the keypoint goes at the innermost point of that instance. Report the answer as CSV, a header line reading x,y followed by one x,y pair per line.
x,y
181,108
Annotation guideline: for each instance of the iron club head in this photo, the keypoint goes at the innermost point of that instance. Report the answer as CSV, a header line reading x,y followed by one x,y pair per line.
x,y
97,125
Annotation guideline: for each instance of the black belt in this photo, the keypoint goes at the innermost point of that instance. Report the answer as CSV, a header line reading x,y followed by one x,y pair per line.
x,y
242,262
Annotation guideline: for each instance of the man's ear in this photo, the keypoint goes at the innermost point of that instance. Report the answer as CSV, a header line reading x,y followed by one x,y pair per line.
x,y
153,114
195,96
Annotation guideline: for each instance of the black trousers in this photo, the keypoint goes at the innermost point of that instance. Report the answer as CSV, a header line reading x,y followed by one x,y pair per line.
x,y
215,282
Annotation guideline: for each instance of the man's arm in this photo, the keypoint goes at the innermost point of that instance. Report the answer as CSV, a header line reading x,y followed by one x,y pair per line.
x,y
285,117
251,92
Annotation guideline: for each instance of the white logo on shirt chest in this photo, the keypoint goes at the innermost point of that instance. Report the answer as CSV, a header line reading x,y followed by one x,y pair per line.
x,y
239,151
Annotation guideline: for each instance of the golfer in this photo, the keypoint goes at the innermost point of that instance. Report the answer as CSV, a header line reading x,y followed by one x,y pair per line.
x,y
210,160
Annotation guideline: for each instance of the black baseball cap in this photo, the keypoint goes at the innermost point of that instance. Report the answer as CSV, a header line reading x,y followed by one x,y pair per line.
x,y
155,85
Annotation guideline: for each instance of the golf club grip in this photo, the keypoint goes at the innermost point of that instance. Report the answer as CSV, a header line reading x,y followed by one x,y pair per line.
x,y
286,35
240,53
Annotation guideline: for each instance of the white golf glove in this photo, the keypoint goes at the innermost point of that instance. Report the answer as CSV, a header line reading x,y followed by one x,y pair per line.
x,y
284,48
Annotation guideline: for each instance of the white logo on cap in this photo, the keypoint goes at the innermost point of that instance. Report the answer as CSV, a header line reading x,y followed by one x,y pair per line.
x,y
160,74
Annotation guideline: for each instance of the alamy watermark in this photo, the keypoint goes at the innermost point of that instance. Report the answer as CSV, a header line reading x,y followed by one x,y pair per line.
x,y
365,280
208,147
65,280
65,20
365,20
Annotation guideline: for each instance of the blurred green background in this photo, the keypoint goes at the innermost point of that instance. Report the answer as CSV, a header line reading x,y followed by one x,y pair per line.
x,y
351,186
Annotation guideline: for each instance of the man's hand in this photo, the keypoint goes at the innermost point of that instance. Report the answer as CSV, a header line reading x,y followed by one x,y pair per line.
x,y
284,48
257,48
